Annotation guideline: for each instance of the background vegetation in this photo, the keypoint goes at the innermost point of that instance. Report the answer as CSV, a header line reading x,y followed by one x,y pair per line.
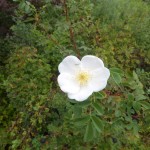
x,y
34,38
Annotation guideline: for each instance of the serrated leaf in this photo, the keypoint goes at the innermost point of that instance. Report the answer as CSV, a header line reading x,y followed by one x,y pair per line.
x,y
77,110
84,103
100,95
98,108
146,105
117,113
129,126
135,76
81,121
97,123
130,97
89,133
116,77
73,101
116,70
140,97
95,131
136,106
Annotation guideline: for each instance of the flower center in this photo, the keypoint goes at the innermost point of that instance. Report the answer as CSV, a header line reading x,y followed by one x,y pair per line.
x,y
83,77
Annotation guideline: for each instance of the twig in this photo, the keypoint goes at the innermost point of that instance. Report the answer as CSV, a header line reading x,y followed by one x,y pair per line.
x,y
71,30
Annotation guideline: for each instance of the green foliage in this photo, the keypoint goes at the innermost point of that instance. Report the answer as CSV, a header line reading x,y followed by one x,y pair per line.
x,y
26,77
124,27
35,114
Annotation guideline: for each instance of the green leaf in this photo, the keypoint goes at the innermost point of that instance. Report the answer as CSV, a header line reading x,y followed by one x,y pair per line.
x,y
130,97
100,95
116,70
27,8
16,143
98,108
81,121
97,123
96,134
117,113
146,105
135,76
73,101
136,106
84,103
22,5
89,133
141,97
116,77
116,74
77,110
129,126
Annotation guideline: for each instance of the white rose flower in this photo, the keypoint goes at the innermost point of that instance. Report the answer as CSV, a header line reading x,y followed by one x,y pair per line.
x,y
79,79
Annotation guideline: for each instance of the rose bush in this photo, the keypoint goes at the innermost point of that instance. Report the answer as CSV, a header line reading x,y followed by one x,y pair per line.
x,y
36,114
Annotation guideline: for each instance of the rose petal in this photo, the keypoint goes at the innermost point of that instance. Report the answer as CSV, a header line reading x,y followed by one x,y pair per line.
x,y
82,95
99,79
104,73
70,64
91,62
68,83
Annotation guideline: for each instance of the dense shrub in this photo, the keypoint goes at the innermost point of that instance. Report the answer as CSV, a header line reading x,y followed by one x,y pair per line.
x,y
38,114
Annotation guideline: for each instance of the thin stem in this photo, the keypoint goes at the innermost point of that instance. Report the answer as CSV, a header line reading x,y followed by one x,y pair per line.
x,y
72,39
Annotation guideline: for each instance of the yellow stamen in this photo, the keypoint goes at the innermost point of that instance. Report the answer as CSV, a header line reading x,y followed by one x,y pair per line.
x,y
83,78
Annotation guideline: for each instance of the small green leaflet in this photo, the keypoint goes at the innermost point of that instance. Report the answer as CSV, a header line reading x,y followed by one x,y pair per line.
x,y
146,105
89,133
117,70
98,124
81,121
98,108
100,95
136,106
117,113
116,75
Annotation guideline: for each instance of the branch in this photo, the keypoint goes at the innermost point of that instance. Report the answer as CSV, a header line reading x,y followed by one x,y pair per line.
x,y
71,30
